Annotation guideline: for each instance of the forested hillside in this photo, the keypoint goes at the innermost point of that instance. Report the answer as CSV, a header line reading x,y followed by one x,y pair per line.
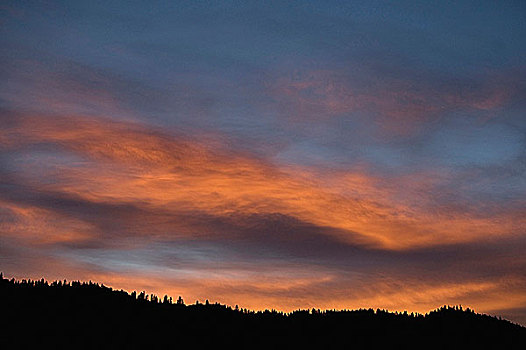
x,y
89,315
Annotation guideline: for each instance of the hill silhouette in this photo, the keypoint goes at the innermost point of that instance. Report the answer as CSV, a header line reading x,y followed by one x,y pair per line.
x,y
88,315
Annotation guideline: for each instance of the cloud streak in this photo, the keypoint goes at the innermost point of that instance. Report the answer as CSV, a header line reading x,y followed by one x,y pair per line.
x,y
397,105
128,165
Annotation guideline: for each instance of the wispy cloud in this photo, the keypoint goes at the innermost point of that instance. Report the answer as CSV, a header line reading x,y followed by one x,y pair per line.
x,y
142,171
397,106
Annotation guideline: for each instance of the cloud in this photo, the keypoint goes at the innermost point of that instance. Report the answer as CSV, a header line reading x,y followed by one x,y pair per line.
x,y
133,171
397,106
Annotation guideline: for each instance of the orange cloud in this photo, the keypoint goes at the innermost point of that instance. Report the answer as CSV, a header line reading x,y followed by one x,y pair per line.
x,y
34,225
398,107
129,164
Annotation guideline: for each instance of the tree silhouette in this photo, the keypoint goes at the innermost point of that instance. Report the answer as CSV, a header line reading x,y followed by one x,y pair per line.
x,y
88,315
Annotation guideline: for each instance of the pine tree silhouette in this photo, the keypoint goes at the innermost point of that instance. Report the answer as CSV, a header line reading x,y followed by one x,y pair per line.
x,y
88,315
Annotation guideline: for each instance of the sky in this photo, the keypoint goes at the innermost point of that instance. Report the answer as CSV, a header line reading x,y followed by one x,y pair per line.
x,y
269,154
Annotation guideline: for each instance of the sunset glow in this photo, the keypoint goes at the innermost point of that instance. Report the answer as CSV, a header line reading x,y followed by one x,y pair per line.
x,y
270,156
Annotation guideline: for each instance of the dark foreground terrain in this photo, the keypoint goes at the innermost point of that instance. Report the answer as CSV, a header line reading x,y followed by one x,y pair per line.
x,y
87,315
